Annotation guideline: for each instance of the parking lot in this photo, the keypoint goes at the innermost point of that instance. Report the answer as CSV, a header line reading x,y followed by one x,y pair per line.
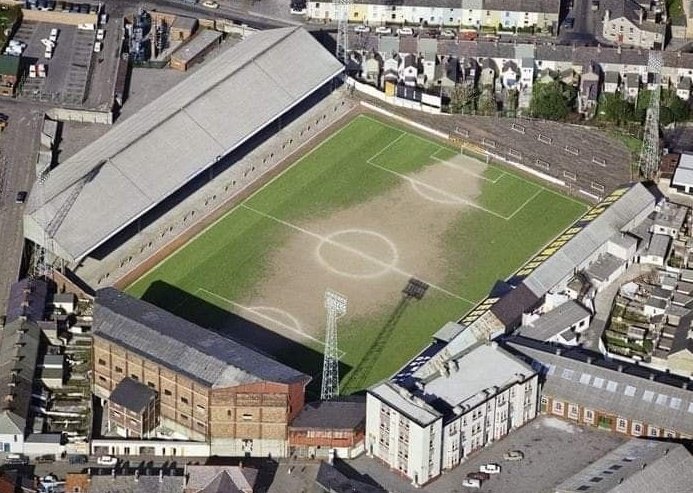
x,y
554,450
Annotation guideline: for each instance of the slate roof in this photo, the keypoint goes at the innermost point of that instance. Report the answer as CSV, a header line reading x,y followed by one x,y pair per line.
x,y
333,481
659,245
342,414
220,479
19,347
182,346
509,308
637,466
132,395
27,298
681,340
143,484
140,162
635,392
555,321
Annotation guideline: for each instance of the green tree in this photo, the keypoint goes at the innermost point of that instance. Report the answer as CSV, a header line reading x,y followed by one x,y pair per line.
x,y
672,108
615,109
487,103
551,101
463,98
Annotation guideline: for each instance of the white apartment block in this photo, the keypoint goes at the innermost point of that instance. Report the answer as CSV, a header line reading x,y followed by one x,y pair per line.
x,y
448,411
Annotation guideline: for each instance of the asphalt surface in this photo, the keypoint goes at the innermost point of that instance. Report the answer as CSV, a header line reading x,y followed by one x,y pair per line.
x,y
18,152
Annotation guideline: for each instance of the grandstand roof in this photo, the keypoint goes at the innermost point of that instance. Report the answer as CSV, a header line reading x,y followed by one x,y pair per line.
x,y
620,216
119,177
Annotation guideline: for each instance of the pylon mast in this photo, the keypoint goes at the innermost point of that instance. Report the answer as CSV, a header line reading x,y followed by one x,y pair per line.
x,y
650,152
335,305
342,16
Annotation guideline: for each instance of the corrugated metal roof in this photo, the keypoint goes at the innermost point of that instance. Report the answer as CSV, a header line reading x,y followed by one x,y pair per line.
x,y
616,218
661,401
182,346
146,158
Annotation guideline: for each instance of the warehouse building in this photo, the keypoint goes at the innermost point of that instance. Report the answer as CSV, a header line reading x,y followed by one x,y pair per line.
x,y
209,388
132,176
586,388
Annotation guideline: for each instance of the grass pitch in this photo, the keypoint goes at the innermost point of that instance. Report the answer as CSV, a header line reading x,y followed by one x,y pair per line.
x,y
367,210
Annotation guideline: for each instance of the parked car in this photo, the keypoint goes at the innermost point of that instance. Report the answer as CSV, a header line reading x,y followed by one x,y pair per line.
x,y
32,71
513,455
48,53
362,29
383,30
45,459
16,459
78,459
97,46
53,36
107,460
481,476
448,34
405,31
100,34
471,483
490,468
21,197
210,4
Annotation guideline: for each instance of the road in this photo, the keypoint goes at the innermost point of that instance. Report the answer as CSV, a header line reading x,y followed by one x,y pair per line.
x,y
18,151
583,30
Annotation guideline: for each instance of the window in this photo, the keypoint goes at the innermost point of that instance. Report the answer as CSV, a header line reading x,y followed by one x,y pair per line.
x,y
598,382
573,411
675,403
653,432
629,391
611,386
184,400
200,424
557,407
637,429
648,395
134,377
118,369
621,425
200,409
167,392
102,378
229,413
585,379
662,399
247,416
184,417
589,416
102,362
151,385
567,374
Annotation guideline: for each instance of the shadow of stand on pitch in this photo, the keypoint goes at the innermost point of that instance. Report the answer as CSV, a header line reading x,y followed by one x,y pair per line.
x,y
414,290
242,330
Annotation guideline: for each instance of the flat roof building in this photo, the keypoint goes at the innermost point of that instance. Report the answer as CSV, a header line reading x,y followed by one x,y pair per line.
x,y
430,422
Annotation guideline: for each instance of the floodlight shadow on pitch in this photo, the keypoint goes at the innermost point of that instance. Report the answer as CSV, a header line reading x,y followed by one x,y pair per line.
x,y
415,289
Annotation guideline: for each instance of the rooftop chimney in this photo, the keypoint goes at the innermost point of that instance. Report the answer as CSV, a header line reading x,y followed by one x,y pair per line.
x,y
652,376
620,367
559,351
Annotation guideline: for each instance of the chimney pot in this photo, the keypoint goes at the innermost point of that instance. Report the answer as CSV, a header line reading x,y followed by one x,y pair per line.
x,y
559,351
652,376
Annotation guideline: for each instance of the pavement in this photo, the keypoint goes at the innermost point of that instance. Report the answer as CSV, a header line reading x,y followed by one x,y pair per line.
x,y
554,450
19,145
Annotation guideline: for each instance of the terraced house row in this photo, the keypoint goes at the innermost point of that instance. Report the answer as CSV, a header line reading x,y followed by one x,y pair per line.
x,y
542,15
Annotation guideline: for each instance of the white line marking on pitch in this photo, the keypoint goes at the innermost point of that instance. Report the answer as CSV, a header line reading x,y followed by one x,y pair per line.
x,y
355,251
257,311
453,197
384,269
525,203
463,169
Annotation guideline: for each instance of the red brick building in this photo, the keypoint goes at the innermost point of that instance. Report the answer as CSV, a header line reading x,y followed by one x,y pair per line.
x,y
329,425
210,388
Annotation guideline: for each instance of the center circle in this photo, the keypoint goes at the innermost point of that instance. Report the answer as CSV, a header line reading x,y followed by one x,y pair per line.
x,y
357,253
